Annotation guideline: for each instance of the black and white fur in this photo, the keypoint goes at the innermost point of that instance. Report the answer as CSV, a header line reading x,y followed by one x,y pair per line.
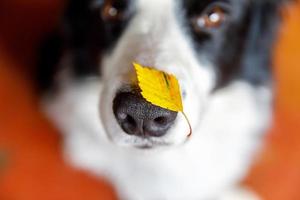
x,y
225,78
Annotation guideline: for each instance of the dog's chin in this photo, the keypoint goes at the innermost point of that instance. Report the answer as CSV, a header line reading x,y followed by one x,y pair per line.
x,y
152,145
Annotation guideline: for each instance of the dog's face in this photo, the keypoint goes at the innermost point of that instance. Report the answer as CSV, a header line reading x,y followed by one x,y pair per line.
x,y
208,45
155,35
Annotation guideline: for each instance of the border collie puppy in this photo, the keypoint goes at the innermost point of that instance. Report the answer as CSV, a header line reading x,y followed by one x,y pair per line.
x,y
220,51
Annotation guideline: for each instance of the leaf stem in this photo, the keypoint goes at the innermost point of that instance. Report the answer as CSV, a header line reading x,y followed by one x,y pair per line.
x,y
190,127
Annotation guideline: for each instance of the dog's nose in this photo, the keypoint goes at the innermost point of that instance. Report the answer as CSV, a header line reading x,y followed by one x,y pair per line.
x,y
138,117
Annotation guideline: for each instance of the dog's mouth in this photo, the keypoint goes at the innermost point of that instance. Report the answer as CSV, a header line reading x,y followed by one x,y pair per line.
x,y
148,144
146,147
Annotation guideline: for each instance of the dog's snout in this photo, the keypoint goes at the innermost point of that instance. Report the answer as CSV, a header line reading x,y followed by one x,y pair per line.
x,y
138,117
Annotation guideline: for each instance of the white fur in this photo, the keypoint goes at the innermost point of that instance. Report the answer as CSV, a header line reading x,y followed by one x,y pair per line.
x,y
215,158
227,125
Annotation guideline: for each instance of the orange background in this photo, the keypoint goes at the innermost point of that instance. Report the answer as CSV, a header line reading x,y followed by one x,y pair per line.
x,y
31,166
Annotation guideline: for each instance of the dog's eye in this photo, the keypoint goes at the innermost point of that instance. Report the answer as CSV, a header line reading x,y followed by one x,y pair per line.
x,y
114,10
212,18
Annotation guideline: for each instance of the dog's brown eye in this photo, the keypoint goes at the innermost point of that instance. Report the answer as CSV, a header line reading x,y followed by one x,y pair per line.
x,y
113,10
213,17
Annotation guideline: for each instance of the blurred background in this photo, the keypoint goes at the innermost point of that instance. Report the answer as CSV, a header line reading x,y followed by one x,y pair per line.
x,y
31,166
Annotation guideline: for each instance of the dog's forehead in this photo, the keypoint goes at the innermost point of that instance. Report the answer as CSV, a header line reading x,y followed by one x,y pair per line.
x,y
188,4
157,6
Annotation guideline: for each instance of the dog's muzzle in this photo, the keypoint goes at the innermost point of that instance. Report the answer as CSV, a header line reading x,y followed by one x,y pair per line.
x,y
138,117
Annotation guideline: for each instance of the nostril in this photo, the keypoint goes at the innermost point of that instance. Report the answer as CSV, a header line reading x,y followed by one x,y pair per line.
x,y
158,126
127,122
161,121
130,121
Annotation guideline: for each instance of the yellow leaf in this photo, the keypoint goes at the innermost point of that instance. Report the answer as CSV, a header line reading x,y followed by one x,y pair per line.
x,y
159,88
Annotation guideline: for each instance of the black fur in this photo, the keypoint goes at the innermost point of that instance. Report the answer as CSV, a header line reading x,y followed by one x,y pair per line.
x,y
84,35
88,35
50,52
241,49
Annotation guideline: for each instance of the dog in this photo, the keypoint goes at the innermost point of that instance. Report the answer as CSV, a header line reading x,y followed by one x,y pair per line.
x,y
220,51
